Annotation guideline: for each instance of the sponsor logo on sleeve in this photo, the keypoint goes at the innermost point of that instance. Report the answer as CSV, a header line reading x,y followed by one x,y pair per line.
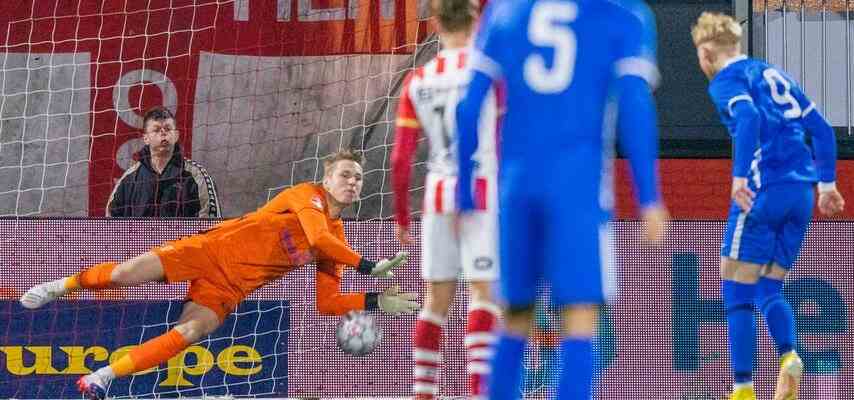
x,y
317,202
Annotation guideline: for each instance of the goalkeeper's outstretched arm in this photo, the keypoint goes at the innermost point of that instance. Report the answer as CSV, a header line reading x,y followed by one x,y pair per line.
x,y
330,300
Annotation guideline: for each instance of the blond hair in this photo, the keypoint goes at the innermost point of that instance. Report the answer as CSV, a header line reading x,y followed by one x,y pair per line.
x,y
341,155
719,29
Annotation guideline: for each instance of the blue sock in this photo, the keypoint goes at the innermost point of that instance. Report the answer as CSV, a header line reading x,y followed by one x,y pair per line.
x,y
506,377
576,375
778,314
741,328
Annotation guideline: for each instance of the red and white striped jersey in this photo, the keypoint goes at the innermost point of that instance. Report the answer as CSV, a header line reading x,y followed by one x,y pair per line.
x,y
428,103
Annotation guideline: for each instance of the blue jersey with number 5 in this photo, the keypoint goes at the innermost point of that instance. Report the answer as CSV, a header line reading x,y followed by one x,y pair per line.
x,y
781,155
559,61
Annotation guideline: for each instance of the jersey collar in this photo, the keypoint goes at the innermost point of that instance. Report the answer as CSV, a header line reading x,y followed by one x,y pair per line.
x,y
734,60
320,194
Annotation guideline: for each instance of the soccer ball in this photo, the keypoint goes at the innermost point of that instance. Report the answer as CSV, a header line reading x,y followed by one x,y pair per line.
x,y
357,333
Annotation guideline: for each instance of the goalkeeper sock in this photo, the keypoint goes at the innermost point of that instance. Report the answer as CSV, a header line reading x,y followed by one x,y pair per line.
x,y
576,376
505,382
149,354
480,337
71,283
741,328
778,314
96,277
426,339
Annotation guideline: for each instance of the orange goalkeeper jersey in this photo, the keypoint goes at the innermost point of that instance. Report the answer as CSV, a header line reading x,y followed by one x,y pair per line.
x,y
291,230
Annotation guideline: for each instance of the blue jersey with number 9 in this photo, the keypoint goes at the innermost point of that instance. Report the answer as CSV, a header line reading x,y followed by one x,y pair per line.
x,y
782,154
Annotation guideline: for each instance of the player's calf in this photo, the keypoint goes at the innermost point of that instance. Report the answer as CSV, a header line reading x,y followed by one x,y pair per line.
x,y
778,314
741,328
149,354
578,330
506,364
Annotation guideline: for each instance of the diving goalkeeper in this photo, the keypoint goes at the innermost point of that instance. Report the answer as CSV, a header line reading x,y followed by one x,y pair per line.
x,y
227,262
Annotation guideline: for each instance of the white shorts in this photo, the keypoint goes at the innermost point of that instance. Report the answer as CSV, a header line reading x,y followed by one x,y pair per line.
x,y
444,256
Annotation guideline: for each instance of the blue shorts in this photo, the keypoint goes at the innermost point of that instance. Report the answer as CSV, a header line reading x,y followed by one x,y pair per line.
x,y
774,229
568,248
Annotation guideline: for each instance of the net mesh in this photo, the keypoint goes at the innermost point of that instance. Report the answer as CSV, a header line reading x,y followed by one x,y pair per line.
x,y
262,92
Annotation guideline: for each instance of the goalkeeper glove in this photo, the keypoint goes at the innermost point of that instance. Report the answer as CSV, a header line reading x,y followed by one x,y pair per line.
x,y
391,301
382,268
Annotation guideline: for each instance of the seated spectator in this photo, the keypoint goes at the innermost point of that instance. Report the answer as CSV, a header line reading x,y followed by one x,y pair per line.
x,y
161,182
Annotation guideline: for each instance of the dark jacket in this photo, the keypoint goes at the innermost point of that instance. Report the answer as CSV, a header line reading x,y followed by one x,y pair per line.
x,y
183,190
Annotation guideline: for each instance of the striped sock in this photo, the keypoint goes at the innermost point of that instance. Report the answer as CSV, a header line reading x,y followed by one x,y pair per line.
x,y
479,341
426,339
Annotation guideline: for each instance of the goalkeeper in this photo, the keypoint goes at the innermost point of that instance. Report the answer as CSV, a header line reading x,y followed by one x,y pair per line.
x,y
227,262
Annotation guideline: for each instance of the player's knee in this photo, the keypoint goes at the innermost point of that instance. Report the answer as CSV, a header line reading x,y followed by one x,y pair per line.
x,y
439,297
140,269
738,298
766,303
518,319
438,307
774,271
580,320
195,329
481,291
739,271
189,331
768,292
197,322
123,273
519,311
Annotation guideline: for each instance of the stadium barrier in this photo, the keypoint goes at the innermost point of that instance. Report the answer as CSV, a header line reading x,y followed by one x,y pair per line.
x,y
663,336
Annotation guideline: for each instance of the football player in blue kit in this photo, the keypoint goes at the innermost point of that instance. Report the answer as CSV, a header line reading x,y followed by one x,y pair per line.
x,y
774,171
566,68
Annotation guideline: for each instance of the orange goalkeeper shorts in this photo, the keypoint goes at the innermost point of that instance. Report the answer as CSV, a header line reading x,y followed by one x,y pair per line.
x,y
188,260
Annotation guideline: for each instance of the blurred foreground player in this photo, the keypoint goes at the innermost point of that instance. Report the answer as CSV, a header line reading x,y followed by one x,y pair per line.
x,y
567,66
